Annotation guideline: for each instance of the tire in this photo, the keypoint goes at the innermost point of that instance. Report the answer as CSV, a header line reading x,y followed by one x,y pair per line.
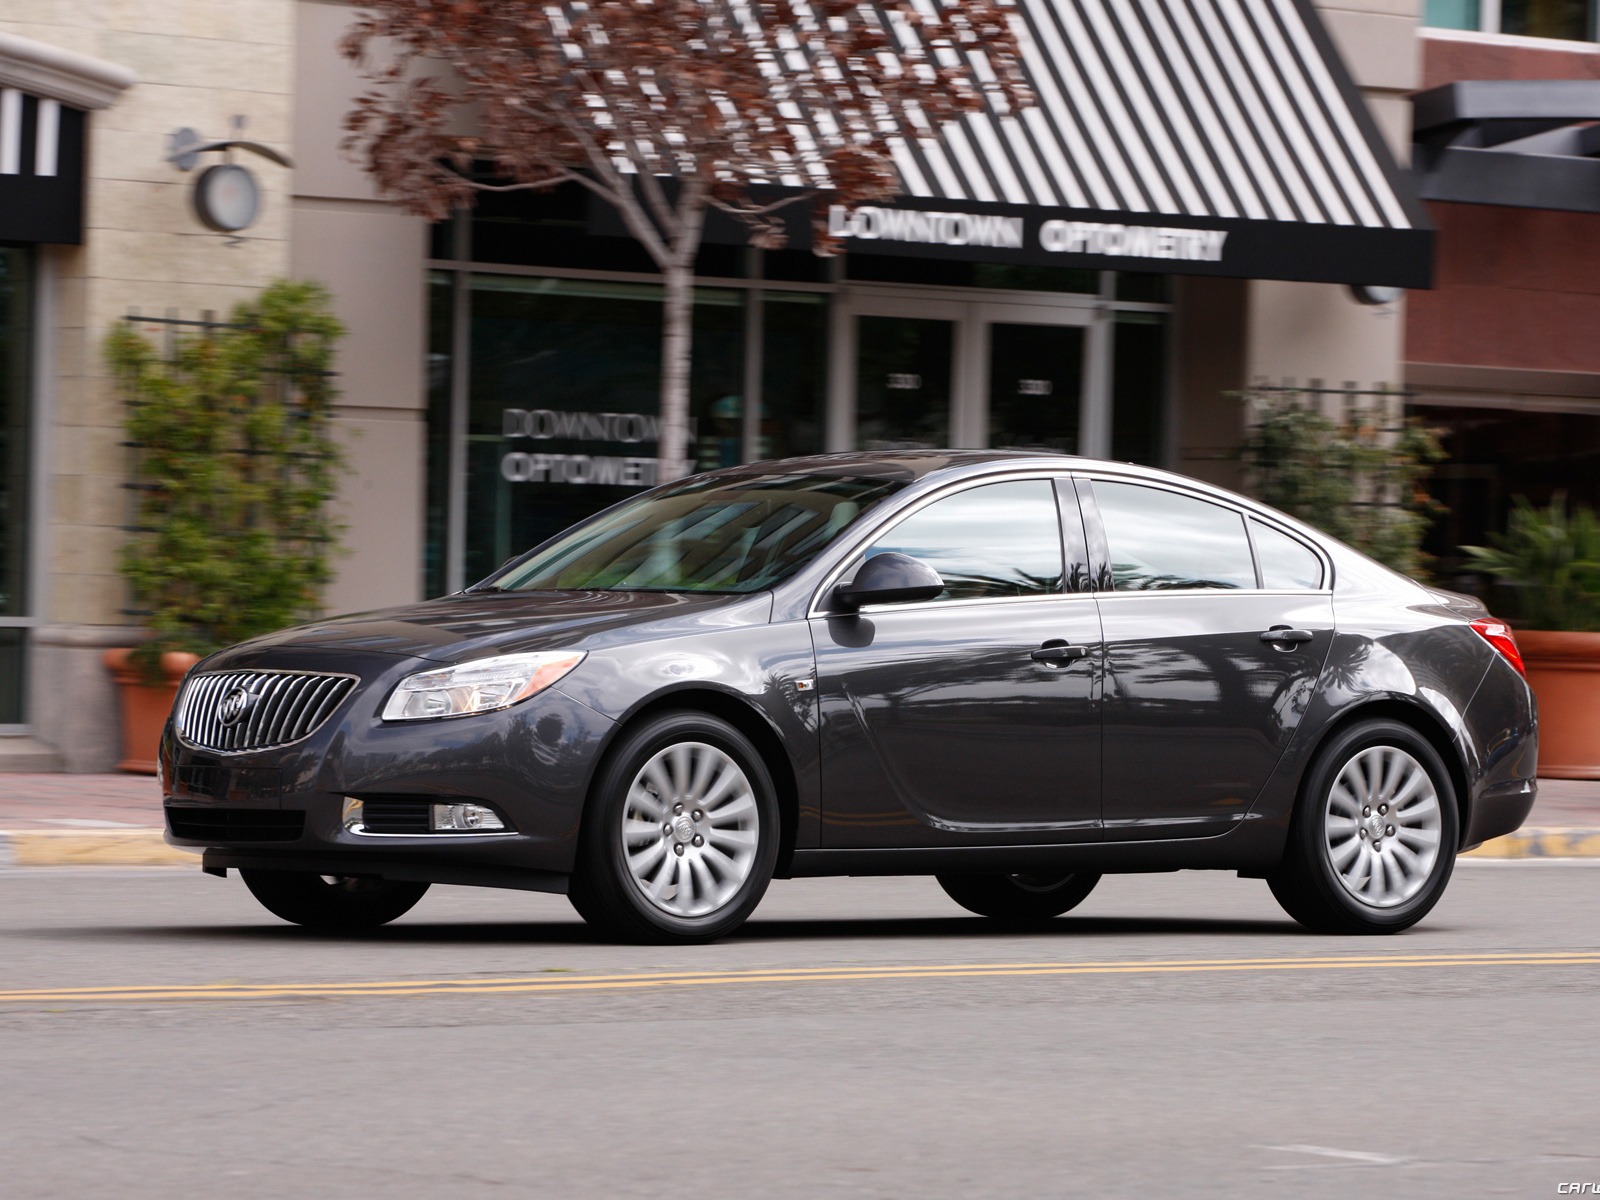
x,y
1020,899
1374,835
681,834
332,902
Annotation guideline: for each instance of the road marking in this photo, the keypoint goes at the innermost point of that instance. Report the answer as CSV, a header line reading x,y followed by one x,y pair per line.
x,y
1361,1156
524,985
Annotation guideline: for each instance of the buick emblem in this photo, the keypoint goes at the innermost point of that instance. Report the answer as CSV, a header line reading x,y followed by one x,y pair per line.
x,y
234,706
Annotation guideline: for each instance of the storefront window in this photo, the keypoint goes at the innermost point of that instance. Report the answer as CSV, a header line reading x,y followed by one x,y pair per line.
x,y
933,272
1493,455
16,335
441,347
544,383
794,365
1138,386
568,227
563,407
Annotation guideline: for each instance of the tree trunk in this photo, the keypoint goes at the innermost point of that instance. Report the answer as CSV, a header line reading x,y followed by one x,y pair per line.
x,y
677,336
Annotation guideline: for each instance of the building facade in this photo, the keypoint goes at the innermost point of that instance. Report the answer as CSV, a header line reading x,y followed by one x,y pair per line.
x,y
1107,279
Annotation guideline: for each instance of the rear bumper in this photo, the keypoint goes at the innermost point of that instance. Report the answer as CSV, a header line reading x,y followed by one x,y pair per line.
x,y
1499,810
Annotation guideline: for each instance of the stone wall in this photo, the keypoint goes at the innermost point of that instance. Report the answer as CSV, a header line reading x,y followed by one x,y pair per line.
x,y
199,64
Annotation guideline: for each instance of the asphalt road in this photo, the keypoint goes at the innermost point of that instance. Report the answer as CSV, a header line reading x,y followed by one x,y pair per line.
x,y
160,1035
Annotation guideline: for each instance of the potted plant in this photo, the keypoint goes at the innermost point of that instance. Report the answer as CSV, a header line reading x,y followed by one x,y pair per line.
x,y
1548,560
236,465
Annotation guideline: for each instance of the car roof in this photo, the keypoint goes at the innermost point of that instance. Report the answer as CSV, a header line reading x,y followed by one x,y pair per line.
x,y
916,465
912,466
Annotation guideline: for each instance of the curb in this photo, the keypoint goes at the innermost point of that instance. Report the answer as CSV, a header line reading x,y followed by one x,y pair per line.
x,y
1541,843
90,848
147,847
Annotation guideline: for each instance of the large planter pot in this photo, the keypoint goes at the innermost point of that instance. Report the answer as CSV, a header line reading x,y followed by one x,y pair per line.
x,y
1564,672
145,705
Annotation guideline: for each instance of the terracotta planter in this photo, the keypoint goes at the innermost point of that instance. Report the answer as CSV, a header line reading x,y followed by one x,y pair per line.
x,y
145,706
1564,672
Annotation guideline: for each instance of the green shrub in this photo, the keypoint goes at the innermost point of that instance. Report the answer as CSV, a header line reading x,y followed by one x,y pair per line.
x,y
236,467
1360,481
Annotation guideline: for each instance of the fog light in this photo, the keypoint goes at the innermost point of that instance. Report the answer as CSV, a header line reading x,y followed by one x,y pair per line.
x,y
354,815
464,818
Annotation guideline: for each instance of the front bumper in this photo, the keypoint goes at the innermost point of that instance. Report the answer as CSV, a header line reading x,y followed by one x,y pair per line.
x,y
283,808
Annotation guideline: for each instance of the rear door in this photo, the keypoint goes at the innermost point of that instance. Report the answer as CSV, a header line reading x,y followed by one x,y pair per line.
x,y
1210,663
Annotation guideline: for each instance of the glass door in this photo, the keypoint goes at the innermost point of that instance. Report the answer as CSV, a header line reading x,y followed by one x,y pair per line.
x,y
903,382
910,370
1035,386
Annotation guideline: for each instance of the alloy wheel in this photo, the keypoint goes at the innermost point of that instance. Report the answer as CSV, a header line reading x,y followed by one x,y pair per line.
x,y
1383,826
690,829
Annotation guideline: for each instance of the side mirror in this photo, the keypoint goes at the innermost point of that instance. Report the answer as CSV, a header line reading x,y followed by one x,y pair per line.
x,y
890,579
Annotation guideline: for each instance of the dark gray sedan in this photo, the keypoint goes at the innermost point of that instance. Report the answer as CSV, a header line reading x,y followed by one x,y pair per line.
x,y
1011,672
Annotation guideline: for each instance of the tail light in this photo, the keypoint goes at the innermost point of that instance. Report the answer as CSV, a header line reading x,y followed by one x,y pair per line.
x,y
1498,634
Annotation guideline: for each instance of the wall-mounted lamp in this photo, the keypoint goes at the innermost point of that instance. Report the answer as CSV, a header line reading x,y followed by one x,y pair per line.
x,y
1374,295
227,197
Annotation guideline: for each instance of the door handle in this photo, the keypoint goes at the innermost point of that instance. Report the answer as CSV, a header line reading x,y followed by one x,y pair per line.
x,y
1054,653
1285,638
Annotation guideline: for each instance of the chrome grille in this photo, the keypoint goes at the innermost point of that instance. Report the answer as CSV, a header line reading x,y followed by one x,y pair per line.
x,y
233,711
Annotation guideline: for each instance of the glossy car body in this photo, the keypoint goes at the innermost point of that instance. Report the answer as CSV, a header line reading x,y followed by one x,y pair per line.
x,y
922,737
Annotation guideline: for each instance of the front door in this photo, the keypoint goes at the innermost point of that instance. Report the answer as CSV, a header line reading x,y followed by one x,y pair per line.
x,y
1035,386
973,718
903,382
922,372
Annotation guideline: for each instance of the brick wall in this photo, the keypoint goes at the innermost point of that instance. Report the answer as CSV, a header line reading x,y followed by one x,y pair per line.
x,y
1514,287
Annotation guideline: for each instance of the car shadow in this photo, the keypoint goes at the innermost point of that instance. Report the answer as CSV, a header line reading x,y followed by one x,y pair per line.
x,y
574,933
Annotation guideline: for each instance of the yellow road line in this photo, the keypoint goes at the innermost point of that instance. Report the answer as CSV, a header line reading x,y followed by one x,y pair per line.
x,y
524,985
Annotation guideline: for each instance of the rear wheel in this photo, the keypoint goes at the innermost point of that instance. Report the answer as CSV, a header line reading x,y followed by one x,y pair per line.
x,y
1373,840
1019,898
681,836
332,901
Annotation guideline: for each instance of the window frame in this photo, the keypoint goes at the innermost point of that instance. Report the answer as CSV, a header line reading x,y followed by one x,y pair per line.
x,y
1073,551
1100,550
1250,521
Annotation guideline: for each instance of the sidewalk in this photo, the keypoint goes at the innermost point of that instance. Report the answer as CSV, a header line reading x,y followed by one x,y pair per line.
x,y
115,820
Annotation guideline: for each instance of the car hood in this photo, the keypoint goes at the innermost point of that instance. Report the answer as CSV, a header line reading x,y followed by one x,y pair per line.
x,y
473,624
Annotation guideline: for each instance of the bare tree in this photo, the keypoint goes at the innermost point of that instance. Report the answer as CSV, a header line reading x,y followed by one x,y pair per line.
x,y
667,109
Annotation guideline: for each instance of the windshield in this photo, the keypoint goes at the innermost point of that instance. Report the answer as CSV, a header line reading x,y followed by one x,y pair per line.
x,y
740,534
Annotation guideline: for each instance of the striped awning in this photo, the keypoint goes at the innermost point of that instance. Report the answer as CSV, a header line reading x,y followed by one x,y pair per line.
x,y
1195,136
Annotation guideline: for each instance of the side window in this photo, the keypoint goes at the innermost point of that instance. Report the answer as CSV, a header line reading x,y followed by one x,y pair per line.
x,y
1161,540
998,539
1285,562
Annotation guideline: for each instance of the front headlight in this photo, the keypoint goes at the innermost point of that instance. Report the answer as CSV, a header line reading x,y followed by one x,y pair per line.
x,y
480,686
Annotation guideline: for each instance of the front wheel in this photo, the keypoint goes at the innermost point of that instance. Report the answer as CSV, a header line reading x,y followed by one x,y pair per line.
x,y
1374,835
331,901
681,836
1021,898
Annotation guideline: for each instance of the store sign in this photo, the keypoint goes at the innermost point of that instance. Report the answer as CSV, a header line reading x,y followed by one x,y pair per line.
x,y
960,230
1132,241
608,470
872,224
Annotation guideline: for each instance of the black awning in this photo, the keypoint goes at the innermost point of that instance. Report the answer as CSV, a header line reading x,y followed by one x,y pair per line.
x,y
1220,137
41,169
1526,143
